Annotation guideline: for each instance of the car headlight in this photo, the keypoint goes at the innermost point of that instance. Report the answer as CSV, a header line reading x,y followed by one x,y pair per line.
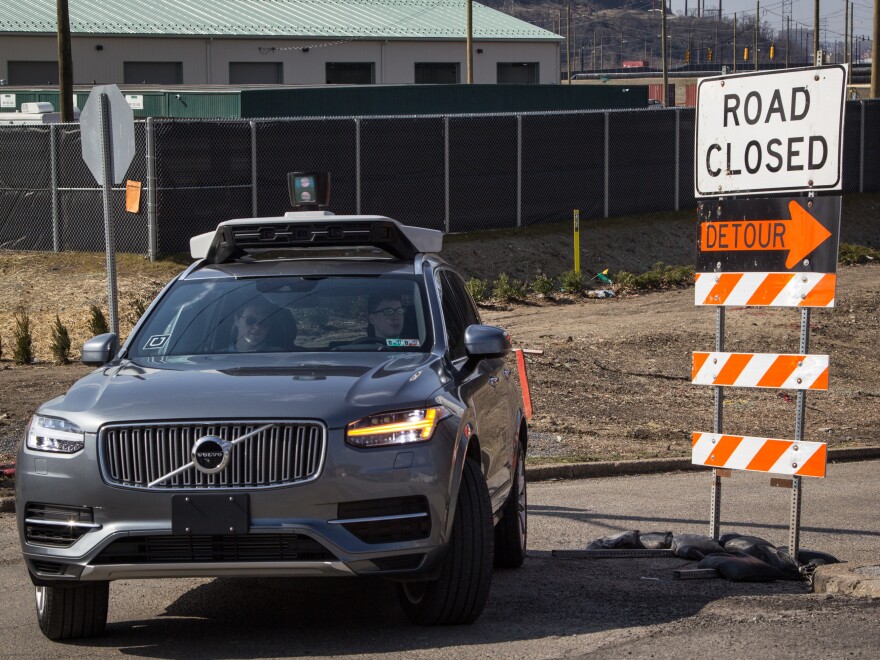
x,y
394,428
54,434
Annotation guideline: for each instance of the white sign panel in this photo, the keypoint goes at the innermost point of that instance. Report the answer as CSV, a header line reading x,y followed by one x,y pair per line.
x,y
7,100
135,101
773,131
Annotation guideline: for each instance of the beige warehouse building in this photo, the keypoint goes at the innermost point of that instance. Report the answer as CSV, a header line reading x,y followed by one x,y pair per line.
x,y
269,42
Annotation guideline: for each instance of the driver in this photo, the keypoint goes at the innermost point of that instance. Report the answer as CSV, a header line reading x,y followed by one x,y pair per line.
x,y
252,323
386,317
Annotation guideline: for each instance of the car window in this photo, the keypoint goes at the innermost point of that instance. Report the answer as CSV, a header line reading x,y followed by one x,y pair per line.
x,y
458,313
472,316
281,314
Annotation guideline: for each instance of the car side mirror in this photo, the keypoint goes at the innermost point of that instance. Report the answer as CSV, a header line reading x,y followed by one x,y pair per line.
x,y
99,350
483,342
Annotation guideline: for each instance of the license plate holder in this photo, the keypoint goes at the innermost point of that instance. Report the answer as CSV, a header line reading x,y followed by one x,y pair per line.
x,y
210,514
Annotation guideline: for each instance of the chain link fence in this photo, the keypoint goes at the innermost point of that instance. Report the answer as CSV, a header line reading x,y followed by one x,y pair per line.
x,y
453,173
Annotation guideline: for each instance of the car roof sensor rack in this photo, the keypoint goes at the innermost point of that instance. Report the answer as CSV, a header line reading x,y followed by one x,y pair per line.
x,y
234,239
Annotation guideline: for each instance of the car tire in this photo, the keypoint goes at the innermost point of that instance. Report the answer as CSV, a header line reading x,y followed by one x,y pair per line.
x,y
72,612
511,532
460,593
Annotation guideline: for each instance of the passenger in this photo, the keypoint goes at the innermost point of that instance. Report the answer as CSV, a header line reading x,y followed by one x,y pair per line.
x,y
386,317
252,324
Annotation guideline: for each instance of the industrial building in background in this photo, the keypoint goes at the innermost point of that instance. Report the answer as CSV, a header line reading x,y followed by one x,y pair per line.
x,y
242,42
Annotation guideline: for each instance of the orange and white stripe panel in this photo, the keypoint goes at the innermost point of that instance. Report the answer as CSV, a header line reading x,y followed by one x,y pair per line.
x,y
765,289
737,452
794,372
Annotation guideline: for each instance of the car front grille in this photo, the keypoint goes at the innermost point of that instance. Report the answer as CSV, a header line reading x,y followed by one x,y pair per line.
x,y
205,549
134,456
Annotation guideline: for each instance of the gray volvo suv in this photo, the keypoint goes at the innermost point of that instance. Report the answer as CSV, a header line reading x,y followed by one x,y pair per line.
x,y
314,396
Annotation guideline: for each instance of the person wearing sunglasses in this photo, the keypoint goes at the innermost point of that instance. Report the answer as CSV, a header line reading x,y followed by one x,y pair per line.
x,y
252,323
386,317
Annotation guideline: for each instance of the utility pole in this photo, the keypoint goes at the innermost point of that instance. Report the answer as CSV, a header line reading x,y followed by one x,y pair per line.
x,y
663,47
816,31
568,41
735,56
470,43
845,30
852,40
757,30
875,53
594,49
788,43
65,62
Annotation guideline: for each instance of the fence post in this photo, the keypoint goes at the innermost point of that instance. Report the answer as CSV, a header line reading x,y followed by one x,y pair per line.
x,y
152,231
446,172
519,165
677,156
357,165
607,160
53,176
862,148
253,125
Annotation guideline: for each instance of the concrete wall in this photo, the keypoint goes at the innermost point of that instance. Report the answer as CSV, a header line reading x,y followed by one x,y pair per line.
x,y
206,61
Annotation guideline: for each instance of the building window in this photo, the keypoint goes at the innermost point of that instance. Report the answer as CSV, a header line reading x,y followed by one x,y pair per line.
x,y
518,73
256,73
351,73
152,73
33,73
437,73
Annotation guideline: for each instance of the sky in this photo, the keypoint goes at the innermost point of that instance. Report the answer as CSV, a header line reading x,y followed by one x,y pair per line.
x,y
831,13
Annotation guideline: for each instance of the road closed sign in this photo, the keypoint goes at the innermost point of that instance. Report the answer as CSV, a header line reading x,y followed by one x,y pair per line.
x,y
770,132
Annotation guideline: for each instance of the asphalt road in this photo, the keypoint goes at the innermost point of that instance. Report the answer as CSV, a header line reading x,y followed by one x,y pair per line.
x,y
549,608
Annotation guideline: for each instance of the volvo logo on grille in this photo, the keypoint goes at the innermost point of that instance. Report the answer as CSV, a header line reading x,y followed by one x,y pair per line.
x,y
210,454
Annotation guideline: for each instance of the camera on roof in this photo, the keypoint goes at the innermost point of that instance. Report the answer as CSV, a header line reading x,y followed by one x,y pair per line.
x,y
308,189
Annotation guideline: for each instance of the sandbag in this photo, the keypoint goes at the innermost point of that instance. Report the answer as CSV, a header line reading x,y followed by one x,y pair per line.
x,y
740,543
624,541
762,549
694,546
812,558
656,540
740,567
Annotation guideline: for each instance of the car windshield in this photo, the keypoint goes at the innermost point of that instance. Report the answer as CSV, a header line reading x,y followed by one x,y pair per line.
x,y
284,314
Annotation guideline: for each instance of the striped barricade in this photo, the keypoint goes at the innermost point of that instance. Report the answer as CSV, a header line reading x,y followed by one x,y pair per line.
x,y
765,289
799,372
737,452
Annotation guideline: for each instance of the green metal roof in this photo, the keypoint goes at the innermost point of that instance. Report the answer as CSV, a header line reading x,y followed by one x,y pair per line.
x,y
310,19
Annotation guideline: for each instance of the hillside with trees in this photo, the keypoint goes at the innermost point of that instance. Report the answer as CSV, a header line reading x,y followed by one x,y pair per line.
x,y
603,35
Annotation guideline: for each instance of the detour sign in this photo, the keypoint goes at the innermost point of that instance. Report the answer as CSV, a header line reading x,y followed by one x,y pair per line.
x,y
769,235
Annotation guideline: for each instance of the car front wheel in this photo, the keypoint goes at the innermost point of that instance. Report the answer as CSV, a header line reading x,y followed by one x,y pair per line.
x,y
460,593
72,612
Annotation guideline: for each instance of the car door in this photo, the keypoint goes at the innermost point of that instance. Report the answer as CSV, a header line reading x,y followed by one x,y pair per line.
x,y
485,389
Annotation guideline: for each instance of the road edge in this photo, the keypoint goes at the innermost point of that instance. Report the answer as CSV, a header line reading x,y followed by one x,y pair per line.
x,y
601,469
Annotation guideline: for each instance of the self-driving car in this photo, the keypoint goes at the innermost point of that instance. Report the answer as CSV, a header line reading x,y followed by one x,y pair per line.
x,y
314,396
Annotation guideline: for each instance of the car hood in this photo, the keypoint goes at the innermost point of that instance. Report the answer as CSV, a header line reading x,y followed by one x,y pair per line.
x,y
337,390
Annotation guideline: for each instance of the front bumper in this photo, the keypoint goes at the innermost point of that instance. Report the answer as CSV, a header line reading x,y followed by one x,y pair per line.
x,y
294,530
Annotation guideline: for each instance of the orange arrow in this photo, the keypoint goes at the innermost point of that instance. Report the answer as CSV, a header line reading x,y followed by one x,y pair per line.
x,y
800,235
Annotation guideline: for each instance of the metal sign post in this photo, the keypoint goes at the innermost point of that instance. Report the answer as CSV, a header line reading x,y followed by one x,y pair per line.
x,y
107,126
109,229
